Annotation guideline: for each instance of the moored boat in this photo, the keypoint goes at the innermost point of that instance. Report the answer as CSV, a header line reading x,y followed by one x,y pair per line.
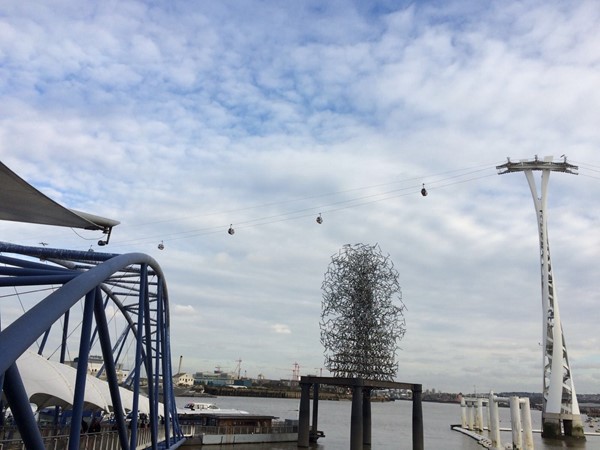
x,y
207,424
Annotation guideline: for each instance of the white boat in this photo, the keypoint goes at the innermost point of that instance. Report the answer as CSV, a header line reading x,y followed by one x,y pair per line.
x,y
207,424
201,408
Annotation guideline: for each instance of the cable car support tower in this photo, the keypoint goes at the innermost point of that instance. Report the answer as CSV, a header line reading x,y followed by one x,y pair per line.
x,y
560,411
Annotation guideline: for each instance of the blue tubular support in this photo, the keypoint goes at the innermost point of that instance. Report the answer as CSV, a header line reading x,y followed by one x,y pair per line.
x,y
111,372
149,362
94,334
55,253
44,340
29,272
37,280
19,404
138,354
150,329
121,343
65,335
15,262
24,331
80,378
160,351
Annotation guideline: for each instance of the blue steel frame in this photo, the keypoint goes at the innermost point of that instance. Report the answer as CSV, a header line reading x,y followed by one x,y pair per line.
x,y
89,275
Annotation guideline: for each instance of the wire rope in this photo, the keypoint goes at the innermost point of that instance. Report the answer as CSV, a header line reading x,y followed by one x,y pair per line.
x,y
435,183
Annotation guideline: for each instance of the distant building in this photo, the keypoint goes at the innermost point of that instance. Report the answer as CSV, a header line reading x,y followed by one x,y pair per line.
x,y
95,364
183,379
216,378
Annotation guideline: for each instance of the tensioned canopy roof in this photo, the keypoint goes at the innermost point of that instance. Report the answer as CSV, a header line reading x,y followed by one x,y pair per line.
x,y
21,202
49,383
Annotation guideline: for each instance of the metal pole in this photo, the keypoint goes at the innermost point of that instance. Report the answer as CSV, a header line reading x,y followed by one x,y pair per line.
x,y
315,412
356,418
367,417
111,372
19,403
417,418
304,416
84,351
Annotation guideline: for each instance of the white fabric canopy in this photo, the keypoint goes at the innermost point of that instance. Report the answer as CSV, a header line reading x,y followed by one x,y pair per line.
x,y
49,383
21,202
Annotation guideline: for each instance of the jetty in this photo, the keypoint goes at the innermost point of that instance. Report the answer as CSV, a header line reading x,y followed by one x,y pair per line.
x,y
360,418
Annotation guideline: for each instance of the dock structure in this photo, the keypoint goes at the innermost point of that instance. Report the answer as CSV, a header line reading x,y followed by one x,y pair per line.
x,y
473,423
360,418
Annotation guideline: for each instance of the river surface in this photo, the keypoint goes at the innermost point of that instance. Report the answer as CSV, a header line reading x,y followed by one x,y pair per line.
x,y
391,425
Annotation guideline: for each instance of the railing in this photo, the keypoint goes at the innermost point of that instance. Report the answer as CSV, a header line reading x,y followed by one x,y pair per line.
x,y
196,430
104,440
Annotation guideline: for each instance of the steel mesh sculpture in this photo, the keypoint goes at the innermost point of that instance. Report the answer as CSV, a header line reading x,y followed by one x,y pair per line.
x,y
360,323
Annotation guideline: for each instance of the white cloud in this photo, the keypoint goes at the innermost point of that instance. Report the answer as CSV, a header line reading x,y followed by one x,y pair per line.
x,y
181,121
281,329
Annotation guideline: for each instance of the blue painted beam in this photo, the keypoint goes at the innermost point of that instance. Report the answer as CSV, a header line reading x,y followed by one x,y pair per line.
x,y
21,410
81,375
24,331
40,280
111,371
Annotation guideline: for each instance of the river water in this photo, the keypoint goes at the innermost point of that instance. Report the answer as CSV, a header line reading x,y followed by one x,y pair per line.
x,y
391,425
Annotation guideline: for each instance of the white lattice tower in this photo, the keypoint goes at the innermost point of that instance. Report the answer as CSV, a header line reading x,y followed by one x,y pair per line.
x,y
560,400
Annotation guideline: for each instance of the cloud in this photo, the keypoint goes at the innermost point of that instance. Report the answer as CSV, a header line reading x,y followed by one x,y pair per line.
x,y
281,329
179,121
183,309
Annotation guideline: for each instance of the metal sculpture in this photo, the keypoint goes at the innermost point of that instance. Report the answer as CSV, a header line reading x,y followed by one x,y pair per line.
x,y
362,316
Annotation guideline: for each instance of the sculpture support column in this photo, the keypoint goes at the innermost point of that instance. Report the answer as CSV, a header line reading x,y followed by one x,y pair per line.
x,y
417,418
304,416
315,413
367,417
356,419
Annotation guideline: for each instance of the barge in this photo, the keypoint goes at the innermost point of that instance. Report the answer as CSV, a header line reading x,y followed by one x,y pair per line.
x,y
206,424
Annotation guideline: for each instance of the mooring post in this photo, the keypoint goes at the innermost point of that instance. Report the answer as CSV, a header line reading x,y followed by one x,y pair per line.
x,y
304,416
494,422
515,422
417,418
479,420
367,418
315,412
527,428
356,418
470,415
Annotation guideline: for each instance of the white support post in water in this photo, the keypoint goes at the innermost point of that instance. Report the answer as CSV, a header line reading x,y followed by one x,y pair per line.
x,y
515,423
494,422
527,429
479,411
470,415
520,418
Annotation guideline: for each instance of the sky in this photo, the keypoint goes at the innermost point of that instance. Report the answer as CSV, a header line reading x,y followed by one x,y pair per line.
x,y
181,119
